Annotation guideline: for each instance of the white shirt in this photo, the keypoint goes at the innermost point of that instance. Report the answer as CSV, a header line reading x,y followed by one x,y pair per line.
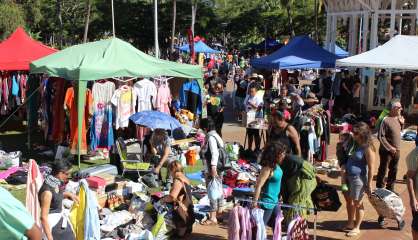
x,y
213,139
144,90
256,100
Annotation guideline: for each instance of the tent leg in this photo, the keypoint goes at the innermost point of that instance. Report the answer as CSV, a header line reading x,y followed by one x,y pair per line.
x,y
81,98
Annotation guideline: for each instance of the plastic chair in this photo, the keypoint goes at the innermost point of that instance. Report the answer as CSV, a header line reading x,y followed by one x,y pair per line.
x,y
131,162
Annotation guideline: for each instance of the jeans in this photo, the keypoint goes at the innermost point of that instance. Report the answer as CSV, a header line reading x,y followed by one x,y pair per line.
x,y
387,160
270,215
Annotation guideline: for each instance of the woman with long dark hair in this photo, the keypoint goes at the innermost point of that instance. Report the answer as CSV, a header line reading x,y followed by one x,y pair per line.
x,y
359,170
51,195
267,189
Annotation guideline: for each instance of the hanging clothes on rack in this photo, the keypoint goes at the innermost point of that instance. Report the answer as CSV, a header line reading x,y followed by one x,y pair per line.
x,y
163,98
277,232
101,133
298,229
124,101
191,96
146,93
57,101
70,104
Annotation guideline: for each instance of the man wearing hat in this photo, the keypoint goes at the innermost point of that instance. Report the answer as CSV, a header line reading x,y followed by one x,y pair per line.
x,y
389,136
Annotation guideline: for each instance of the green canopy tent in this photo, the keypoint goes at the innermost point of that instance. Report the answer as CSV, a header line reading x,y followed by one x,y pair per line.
x,y
110,58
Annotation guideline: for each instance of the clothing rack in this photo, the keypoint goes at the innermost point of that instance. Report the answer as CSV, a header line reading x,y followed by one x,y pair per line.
x,y
285,206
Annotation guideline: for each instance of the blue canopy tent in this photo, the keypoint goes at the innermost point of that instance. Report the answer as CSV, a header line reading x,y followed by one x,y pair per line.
x,y
341,53
300,52
199,47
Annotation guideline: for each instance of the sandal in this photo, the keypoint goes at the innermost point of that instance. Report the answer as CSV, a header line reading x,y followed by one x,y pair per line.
x,y
353,233
209,223
346,229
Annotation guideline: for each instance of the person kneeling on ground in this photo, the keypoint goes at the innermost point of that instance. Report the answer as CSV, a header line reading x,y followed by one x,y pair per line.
x,y
210,157
267,189
181,197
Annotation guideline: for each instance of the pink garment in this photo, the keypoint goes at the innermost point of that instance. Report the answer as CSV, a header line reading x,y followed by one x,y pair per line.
x,y
163,99
245,223
8,172
277,233
233,224
141,132
33,184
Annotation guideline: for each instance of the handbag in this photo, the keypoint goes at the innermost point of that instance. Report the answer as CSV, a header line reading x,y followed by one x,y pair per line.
x,y
181,206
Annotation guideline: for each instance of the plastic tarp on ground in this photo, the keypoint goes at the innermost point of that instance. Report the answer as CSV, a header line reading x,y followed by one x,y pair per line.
x,y
400,53
19,50
107,59
301,52
199,47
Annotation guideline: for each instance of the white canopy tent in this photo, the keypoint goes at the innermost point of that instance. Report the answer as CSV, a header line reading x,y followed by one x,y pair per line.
x,y
398,53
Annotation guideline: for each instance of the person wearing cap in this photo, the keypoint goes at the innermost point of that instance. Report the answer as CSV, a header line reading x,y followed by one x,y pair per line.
x,y
389,136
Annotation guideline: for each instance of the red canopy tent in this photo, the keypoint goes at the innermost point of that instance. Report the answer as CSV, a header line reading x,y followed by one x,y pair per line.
x,y
19,50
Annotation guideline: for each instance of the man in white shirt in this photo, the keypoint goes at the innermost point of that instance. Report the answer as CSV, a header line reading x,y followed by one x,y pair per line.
x,y
253,103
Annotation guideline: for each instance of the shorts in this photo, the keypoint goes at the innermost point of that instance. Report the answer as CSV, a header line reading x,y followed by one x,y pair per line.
x,y
356,187
239,104
217,205
414,224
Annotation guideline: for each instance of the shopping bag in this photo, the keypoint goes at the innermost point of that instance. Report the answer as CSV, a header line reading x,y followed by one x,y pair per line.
x,y
215,189
387,204
325,198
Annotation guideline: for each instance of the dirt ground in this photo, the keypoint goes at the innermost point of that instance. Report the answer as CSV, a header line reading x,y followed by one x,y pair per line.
x,y
330,223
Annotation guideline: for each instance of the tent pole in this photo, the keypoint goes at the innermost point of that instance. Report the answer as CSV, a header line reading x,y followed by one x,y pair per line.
x,y
81,97
113,20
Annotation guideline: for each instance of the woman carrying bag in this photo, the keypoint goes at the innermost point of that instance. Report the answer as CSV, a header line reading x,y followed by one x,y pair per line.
x,y
181,197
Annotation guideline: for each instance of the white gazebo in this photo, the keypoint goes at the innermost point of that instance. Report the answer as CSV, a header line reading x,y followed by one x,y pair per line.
x,y
363,18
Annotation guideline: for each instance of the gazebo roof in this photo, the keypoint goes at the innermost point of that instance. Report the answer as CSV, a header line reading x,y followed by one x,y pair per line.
x,y
336,6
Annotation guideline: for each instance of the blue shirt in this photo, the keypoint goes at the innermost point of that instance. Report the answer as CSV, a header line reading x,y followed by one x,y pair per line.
x,y
271,190
357,164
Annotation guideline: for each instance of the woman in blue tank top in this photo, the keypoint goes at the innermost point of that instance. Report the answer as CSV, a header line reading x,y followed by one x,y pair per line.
x,y
267,189
359,169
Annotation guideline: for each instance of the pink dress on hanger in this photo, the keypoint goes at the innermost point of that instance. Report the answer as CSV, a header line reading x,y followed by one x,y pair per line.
x,y
163,99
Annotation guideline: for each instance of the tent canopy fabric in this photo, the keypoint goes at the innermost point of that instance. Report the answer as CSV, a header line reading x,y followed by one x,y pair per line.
x,y
300,52
17,51
400,53
109,58
199,47
341,53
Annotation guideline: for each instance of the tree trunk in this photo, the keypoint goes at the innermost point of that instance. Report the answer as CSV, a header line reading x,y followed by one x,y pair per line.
x,y
173,27
194,9
60,24
289,16
86,26
316,22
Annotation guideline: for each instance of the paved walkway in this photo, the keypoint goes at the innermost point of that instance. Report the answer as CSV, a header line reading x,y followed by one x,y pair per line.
x,y
329,223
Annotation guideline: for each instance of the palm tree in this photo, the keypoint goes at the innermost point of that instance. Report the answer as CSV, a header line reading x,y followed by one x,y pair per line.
x,y
60,23
173,27
194,10
288,5
87,23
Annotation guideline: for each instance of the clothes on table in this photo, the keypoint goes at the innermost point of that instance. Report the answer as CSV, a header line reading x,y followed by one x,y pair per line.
x,y
124,101
101,133
70,104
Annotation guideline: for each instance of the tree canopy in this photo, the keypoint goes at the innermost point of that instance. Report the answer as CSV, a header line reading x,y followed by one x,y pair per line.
x,y
239,22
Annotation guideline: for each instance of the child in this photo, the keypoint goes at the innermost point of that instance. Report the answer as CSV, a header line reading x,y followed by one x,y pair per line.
x,y
343,149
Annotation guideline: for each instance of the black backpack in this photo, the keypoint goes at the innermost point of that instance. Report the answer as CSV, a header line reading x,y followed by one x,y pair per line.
x,y
223,160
